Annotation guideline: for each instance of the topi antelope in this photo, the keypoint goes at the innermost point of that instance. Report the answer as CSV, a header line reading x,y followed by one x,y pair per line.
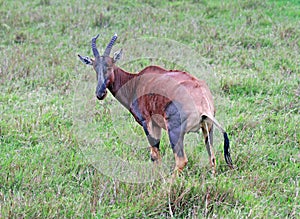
x,y
159,98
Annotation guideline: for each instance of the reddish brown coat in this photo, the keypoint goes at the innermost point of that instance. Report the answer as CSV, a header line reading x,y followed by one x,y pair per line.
x,y
159,98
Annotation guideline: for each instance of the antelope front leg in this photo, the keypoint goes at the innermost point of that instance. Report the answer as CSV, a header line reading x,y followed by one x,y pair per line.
x,y
154,135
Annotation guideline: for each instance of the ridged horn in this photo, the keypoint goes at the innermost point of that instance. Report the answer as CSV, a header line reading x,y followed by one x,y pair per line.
x,y
110,45
94,47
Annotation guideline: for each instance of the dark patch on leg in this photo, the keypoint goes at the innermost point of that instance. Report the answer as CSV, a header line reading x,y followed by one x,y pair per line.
x,y
176,124
135,111
154,150
152,141
176,140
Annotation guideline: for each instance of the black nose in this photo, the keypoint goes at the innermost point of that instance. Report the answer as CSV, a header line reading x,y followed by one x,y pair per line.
x,y
101,96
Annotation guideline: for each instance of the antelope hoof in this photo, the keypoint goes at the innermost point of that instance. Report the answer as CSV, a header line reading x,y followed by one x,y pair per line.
x,y
155,155
180,163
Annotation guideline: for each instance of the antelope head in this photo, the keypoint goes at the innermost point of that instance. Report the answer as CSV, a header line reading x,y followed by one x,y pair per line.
x,y
103,65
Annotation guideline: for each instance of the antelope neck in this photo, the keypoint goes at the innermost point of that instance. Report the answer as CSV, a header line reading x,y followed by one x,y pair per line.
x,y
123,86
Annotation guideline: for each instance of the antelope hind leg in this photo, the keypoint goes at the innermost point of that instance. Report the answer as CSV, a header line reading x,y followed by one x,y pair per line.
x,y
208,137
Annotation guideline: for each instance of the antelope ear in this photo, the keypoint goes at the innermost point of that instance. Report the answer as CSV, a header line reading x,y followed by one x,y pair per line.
x,y
117,56
86,60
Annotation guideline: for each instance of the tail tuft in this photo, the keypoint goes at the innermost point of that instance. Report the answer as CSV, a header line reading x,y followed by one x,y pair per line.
x,y
226,151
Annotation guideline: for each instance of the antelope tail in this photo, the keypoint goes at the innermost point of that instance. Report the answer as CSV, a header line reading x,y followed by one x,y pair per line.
x,y
226,142
226,151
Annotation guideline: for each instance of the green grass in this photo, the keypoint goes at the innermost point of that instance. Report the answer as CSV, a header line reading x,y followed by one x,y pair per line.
x,y
252,47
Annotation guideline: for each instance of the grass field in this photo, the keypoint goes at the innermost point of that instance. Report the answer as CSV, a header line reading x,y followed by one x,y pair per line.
x,y
252,49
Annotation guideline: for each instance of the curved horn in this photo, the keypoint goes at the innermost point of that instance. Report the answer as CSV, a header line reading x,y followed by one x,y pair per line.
x,y
94,47
110,45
